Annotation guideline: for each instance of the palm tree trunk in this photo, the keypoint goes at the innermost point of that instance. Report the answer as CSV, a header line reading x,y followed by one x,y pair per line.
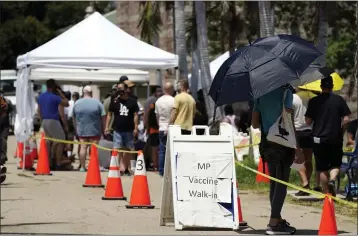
x,y
204,58
233,28
322,36
354,78
266,19
180,39
158,72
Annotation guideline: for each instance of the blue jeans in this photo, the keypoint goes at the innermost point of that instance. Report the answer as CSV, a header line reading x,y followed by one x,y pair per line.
x,y
162,149
123,140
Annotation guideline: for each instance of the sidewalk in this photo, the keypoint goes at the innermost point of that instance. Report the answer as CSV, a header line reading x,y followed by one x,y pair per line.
x,y
59,204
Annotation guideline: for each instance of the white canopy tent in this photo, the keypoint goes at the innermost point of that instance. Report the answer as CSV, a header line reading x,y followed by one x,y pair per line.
x,y
94,43
214,67
79,76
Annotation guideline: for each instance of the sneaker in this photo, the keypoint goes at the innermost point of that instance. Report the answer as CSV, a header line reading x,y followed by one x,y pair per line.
x,y
2,178
332,188
127,173
102,169
282,228
3,170
317,189
301,193
82,169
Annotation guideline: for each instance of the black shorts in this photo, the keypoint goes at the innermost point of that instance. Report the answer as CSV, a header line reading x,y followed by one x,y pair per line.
x,y
327,156
305,139
154,139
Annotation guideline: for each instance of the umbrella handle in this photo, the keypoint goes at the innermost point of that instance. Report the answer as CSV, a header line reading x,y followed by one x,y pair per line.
x,y
216,106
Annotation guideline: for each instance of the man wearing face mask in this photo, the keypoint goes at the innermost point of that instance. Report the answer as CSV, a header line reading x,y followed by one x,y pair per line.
x,y
125,112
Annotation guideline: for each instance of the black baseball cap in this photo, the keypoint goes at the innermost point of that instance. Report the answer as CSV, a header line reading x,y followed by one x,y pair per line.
x,y
123,78
327,82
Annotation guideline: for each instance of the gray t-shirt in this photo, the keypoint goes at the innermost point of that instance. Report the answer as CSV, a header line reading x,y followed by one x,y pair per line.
x,y
88,113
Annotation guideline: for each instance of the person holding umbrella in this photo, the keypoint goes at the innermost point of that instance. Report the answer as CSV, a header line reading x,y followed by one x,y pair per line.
x,y
262,72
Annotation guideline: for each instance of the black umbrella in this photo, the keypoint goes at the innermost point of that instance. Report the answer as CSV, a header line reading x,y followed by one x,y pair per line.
x,y
312,73
261,67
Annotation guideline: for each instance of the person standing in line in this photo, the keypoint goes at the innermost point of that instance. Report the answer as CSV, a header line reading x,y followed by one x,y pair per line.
x,y
329,114
125,111
163,107
351,132
267,109
184,108
230,117
89,122
71,129
151,130
304,138
106,104
48,108
5,110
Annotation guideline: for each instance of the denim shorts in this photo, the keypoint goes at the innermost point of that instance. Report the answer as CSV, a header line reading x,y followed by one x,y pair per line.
x,y
123,140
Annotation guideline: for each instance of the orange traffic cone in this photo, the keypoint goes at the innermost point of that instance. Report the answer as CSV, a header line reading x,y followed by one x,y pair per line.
x,y
33,146
260,178
242,223
19,152
328,224
43,165
114,190
93,178
28,160
140,197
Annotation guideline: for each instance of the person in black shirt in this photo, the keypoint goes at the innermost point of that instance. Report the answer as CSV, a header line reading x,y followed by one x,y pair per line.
x,y
351,132
5,110
125,111
329,113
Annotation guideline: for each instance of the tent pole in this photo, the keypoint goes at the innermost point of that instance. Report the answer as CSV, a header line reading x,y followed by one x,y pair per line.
x,y
148,89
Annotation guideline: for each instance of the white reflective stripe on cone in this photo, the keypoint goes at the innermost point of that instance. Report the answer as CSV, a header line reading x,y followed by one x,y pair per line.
x,y
114,161
140,166
114,174
27,150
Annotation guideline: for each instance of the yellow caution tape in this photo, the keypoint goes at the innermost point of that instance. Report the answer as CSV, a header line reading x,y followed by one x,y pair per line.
x,y
85,143
352,204
239,163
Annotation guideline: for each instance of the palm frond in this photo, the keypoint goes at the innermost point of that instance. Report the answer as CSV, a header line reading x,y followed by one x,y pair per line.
x,y
150,21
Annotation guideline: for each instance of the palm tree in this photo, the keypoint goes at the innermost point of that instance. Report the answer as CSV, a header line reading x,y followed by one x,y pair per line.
x,y
150,21
180,41
200,12
267,26
354,78
322,34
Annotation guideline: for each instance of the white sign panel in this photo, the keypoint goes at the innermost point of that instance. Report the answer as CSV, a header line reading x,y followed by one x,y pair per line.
x,y
201,177
205,165
206,188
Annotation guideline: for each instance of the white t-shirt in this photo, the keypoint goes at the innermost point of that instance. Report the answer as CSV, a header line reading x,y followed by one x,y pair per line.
x,y
299,114
69,109
163,107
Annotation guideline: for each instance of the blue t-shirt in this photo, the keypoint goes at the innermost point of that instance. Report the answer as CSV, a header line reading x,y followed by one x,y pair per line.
x,y
270,106
88,113
48,103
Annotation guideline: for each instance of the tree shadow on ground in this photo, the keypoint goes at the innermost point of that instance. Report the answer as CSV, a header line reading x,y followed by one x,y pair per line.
x,y
298,232
33,223
18,199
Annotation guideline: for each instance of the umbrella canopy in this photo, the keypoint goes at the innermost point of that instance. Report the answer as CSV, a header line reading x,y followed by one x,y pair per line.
x,y
338,83
261,67
312,73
